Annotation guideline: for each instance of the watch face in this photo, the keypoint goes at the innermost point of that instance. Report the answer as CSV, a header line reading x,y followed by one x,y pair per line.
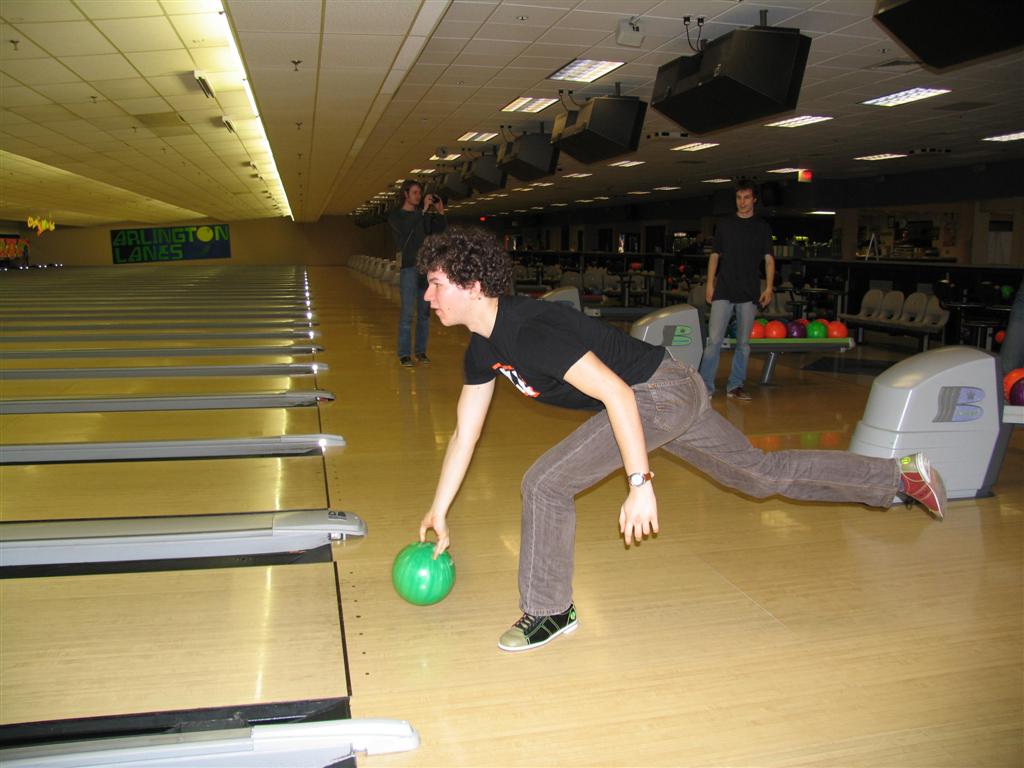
x,y
636,479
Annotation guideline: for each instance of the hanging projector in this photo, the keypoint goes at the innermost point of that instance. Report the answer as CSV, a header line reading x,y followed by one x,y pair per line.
x,y
741,76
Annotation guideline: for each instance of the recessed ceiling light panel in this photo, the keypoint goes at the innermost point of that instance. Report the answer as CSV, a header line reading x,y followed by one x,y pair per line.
x,y
796,122
585,70
905,97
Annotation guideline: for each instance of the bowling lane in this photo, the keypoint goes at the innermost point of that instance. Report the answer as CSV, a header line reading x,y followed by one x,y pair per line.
x,y
6,346
113,427
30,389
109,645
41,364
159,488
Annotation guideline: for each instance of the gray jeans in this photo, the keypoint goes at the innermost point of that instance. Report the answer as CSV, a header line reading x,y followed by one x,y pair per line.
x,y
678,417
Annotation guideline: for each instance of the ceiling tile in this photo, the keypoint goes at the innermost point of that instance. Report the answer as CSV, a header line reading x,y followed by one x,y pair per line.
x,y
69,93
369,17
119,9
464,10
456,29
579,37
214,59
143,106
492,31
69,38
37,71
105,67
340,51
279,49
140,34
25,49
16,11
44,113
17,96
200,30
91,110
156,63
293,16
130,88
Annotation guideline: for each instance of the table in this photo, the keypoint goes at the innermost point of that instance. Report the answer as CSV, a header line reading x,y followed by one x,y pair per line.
x,y
776,347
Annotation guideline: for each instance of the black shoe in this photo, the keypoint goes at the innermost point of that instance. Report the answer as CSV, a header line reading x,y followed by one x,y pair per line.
x,y
406,361
739,393
423,359
535,631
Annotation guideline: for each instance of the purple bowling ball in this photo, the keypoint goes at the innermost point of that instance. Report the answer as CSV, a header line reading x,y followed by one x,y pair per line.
x,y
796,330
1017,393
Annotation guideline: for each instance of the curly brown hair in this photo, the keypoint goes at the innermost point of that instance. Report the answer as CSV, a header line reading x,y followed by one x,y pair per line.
x,y
467,255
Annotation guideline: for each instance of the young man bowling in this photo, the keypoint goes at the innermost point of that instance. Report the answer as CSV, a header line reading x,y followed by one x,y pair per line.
x,y
642,399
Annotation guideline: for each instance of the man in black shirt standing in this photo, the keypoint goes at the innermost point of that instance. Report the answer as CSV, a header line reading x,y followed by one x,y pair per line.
x,y
643,399
410,224
734,283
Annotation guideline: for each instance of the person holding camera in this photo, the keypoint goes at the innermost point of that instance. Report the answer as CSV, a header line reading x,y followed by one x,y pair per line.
x,y
418,216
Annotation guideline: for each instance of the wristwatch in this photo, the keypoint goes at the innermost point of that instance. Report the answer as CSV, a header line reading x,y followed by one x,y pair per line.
x,y
639,478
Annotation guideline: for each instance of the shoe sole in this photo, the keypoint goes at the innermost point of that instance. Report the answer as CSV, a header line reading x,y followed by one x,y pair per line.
x,y
563,631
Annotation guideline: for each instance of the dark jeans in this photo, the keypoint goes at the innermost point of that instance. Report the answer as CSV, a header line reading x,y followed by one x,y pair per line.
x,y
412,285
677,416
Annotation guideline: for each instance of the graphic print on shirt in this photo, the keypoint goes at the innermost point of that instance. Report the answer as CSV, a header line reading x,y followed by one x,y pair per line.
x,y
512,375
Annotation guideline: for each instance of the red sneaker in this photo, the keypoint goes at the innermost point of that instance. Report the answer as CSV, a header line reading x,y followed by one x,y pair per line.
x,y
923,484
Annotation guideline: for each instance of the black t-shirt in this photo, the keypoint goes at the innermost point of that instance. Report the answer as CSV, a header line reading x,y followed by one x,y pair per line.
x,y
741,244
410,228
535,342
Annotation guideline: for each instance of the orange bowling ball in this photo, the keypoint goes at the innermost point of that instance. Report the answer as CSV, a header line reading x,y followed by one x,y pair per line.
x,y
1009,380
775,330
837,330
757,332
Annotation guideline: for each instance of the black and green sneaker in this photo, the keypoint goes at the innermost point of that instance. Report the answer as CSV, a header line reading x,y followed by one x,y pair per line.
x,y
534,631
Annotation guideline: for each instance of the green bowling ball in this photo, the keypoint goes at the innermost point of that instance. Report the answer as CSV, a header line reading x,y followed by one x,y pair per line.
x,y
762,320
419,578
817,330
1007,292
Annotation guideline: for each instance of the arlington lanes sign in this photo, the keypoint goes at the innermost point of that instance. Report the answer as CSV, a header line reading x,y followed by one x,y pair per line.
x,y
149,244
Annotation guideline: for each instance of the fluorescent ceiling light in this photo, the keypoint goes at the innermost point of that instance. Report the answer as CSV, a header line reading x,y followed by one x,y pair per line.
x,y
796,122
716,181
1006,137
905,97
475,136
785,170
577,175
522,189
559,205
822,213
447,158
543,184
639,192
585,70
665,189
584,201
520,210
528,104
694,146
600,197
627,163
536,207
422,170
882,156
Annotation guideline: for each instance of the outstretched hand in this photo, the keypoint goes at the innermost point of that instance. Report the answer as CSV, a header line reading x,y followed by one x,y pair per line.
x,y
638,516
439,524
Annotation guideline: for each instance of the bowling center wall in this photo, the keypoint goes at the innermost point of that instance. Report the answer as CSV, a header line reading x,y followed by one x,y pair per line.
x,y
331,240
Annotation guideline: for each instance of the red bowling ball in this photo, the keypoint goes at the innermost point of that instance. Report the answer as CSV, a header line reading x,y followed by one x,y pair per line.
x,y
757,332
775,330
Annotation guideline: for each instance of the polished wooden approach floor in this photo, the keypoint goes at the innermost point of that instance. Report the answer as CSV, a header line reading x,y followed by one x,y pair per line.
x,y
748,633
